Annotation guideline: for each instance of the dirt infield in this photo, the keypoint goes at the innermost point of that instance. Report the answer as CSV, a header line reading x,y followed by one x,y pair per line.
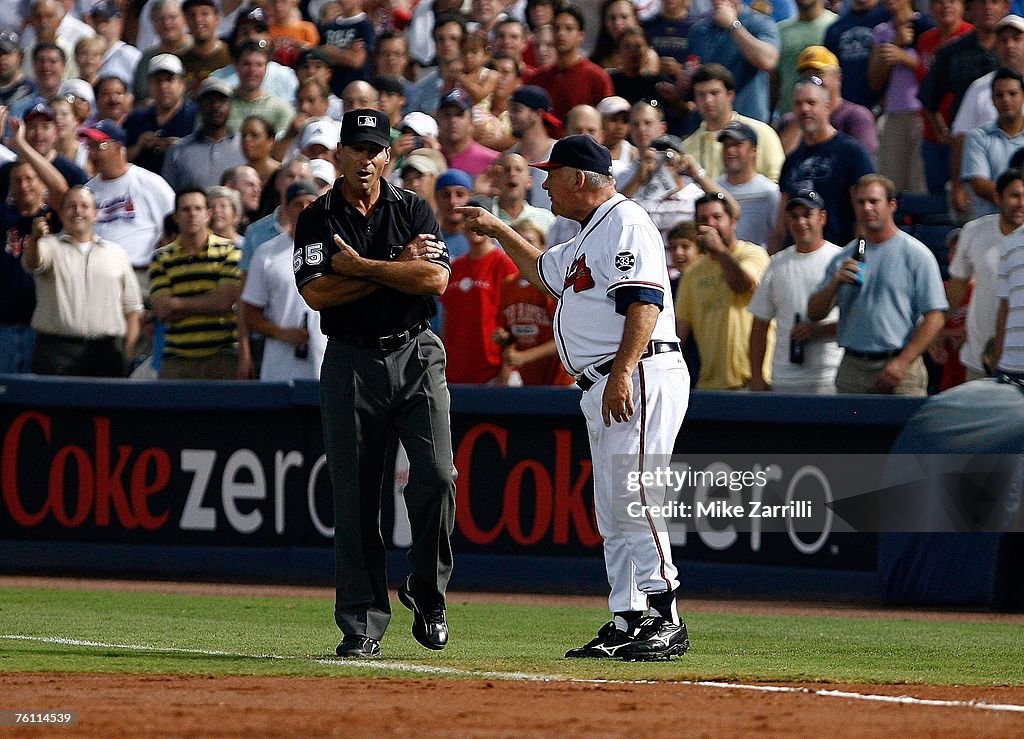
x,y
171,705
119,705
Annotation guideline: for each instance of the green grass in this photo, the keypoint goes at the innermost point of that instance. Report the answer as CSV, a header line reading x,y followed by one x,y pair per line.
x,y
488,637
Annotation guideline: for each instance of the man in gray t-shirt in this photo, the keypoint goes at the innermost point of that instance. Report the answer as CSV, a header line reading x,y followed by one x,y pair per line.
x,y
890,296
757,196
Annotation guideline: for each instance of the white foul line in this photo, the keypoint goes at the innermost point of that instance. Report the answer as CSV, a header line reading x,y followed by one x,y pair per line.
x,y
377,664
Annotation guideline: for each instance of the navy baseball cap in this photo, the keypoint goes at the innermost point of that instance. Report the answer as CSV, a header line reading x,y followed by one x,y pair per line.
x,y
365,125
536,98
299,188
738,131
104,9
808,198
580,152
532,96
457,99
105,130
454,178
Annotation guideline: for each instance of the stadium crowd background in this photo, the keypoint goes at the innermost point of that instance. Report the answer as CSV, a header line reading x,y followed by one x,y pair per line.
x,y
202,128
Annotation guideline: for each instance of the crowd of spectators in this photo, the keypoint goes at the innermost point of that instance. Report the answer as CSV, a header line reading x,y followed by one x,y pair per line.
x,y
768,141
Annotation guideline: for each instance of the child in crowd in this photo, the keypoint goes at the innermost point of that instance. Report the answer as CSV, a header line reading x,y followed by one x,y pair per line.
x,y
684,251
476,78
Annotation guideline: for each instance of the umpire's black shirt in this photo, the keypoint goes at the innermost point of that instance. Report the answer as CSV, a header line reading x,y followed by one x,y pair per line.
x,y
398,217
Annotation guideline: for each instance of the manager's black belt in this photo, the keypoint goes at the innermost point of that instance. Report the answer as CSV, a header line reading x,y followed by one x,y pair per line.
x,y
655,347
385,343
873,356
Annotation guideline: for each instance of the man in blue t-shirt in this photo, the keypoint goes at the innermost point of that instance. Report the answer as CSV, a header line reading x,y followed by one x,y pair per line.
x,y
348,41
827,161
744,42
851,38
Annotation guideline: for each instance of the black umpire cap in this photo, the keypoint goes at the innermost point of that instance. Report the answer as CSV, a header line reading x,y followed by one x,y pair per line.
x,y
365,125
580,152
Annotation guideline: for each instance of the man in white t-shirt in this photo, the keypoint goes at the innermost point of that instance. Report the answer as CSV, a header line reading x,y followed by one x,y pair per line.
x,y
977,258
131,202
782,296
271,303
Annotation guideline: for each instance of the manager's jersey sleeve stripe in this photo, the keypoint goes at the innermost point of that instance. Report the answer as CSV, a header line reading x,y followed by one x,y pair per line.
x,y
636,283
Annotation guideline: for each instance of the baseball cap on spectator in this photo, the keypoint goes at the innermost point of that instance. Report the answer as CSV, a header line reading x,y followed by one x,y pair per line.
x,y
580,152
299,188
322,131
535,98
422,163
76,89
213,85
323,171
39,110
104,9
365,125
668,141
808,198
388,83
166,63
815,59
9,42
454,178
456,99
738,131
316,54
421,124
1011,21
613,105
105,130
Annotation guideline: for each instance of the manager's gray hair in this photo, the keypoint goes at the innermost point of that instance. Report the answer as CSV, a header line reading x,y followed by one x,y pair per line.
x,y
597,180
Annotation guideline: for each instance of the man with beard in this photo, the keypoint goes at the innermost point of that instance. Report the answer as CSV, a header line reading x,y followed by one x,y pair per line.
x,y
200,158
528,109
370,258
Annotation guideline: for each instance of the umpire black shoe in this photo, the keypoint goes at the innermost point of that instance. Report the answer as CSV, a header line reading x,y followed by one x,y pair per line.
x,y
429,626
607,644
358,647
655,638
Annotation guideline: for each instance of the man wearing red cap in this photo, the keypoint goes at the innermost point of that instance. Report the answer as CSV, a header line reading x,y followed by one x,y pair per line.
x,y
615,333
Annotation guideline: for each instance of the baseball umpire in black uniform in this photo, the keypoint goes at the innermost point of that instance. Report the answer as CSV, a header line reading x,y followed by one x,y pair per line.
x,y
370,258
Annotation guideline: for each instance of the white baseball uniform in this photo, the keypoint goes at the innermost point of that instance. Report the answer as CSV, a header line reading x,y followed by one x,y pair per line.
x,y
619,247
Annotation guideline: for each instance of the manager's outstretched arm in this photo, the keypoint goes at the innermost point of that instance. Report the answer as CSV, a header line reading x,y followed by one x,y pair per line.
x,y
523,253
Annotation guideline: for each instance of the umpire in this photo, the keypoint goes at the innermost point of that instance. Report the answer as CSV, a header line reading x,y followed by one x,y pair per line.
x,y
370,257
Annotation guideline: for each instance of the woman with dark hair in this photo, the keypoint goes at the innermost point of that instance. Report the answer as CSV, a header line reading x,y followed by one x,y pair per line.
x,y
257,143
616,17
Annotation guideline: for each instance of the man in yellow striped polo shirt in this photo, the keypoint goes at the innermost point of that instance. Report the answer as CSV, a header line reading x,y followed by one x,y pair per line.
x,y
193,284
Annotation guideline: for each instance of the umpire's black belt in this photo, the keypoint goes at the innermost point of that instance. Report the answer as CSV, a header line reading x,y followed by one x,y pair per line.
x,y
654,347
384,343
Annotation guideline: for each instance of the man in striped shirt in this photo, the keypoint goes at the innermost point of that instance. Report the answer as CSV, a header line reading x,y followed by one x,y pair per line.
x,y
1009,341
194,282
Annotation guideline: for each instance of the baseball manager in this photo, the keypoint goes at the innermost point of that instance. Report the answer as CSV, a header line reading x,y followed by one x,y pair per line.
x,y
615,333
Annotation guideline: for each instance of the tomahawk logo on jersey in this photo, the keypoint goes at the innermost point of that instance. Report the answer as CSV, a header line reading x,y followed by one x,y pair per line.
x,y
619,247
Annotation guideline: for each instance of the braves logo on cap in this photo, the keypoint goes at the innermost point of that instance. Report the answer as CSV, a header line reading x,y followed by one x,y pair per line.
x,y
367,120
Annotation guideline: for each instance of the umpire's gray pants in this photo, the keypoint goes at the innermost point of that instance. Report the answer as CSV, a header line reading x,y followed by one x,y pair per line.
x,y
365,396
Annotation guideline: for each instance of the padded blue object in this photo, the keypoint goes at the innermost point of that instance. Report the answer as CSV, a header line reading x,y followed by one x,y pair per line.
x,y
981,417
